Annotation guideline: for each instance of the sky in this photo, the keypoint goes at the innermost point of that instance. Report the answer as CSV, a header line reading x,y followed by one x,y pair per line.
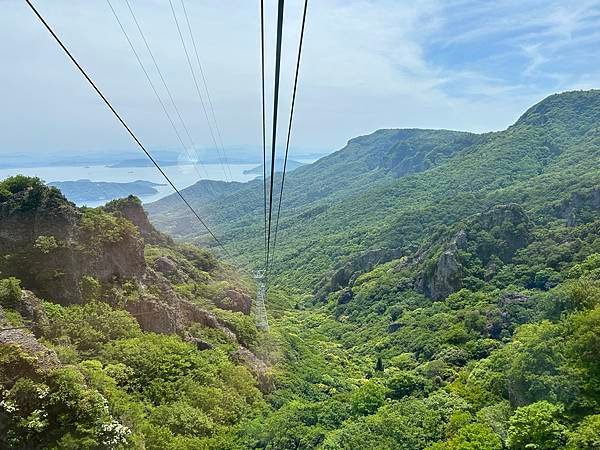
x,y
367,64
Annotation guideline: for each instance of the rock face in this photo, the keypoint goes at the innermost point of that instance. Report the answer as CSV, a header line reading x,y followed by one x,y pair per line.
x,y
24,218
497,233
131,209
346,274
257,367
235,301
69,255
22,338
345,296
31,309
510,305
579,207
163,311
50,245
45,358
446,276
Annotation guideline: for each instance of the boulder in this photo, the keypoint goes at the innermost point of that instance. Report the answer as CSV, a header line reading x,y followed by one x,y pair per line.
x,y
165,265
45,358
236,301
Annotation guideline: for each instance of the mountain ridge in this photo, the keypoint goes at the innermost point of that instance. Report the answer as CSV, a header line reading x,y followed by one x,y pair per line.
x,y
468,174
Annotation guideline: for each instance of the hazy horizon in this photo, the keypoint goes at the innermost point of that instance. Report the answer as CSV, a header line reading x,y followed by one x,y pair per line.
x,y
464,65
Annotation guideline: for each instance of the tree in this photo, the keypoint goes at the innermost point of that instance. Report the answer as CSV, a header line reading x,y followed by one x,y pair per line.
x,y
18,183
536,426
587,435
367,398
46,244
404,382
474,436
10,292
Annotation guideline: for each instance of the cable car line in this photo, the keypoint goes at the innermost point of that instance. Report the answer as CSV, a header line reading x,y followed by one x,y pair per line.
x,y
275,107
264,126
210,104
162,104
193,72
195,159
123,123
289,132
162,78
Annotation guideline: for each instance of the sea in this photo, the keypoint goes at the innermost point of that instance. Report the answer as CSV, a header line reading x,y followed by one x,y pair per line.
x,y
182,175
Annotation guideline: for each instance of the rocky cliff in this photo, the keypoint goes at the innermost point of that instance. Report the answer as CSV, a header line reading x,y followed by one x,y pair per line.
x,y
493,235
72,255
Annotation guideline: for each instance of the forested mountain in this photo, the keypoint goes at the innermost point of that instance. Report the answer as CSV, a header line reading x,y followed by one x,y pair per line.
x,y
432,290
391,189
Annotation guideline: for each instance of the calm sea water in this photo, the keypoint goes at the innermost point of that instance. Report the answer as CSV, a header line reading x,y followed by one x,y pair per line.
x,y
181,175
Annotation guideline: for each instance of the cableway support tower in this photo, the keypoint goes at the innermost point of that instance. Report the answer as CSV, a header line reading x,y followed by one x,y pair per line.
x,y
260,311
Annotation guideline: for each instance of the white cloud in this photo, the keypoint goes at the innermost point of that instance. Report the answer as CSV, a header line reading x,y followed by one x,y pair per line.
x,y
367,64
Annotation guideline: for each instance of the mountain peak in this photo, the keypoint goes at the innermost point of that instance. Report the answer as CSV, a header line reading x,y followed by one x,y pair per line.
x,y
570,109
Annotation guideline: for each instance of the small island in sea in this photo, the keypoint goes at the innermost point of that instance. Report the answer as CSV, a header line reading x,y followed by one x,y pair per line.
x,y
85,191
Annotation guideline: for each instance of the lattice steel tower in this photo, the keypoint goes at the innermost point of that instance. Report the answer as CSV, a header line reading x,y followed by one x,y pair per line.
x,y
260,311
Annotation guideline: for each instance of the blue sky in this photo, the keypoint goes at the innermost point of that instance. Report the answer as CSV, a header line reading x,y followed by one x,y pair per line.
x,y
368,64
518,47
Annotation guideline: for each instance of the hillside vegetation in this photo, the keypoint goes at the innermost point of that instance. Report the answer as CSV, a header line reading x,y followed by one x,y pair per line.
x,y
432,290
128,339
393,188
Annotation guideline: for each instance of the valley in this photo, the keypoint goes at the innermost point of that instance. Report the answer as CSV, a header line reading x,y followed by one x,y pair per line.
x,y
431,289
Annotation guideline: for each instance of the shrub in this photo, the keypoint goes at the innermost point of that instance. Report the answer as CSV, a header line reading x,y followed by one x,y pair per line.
x,y
18,183
10,292
45,244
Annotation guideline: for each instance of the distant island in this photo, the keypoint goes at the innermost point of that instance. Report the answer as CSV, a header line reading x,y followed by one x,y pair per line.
x,y
85,191
140,162
291,166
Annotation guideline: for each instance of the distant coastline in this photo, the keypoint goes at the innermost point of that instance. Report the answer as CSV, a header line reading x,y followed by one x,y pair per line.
x,y
85,191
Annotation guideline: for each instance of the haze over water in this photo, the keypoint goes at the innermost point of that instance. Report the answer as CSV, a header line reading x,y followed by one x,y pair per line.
x,y
182,176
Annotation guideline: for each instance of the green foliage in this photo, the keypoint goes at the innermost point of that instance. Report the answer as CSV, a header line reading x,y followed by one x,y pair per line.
x,y
88,327
509,359
587,435
99,228
402,383
370,195
18,183
473,436
90,289
45,244
368,398
536,426
60,411
242,325
10,292
14,364
183,418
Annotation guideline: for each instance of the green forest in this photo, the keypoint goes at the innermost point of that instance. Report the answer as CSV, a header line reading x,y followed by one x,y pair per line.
x,y
431,289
